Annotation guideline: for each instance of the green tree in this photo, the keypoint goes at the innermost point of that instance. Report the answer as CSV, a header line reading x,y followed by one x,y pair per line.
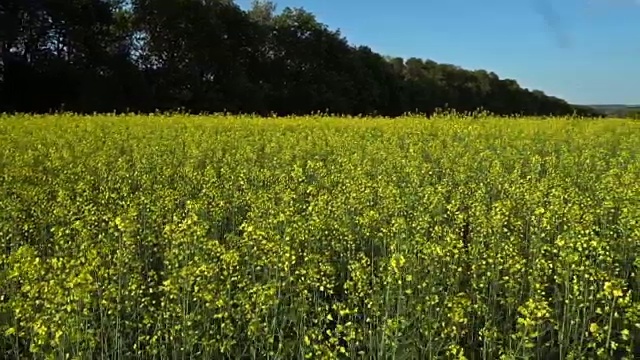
x,y
210,55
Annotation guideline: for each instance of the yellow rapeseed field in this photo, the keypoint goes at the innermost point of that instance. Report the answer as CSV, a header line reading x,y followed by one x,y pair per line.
x,y
220,237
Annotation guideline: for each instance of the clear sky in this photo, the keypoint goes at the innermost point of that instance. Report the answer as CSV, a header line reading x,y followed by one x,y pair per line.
x,y
584,51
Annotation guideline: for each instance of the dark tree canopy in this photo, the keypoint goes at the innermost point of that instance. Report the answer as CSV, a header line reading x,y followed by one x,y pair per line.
x,y
211,56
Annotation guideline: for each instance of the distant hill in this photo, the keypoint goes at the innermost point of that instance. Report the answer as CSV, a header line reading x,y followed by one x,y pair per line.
x,y
617,110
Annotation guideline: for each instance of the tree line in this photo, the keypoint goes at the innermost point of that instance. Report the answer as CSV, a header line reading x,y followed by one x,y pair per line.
x,y
212,56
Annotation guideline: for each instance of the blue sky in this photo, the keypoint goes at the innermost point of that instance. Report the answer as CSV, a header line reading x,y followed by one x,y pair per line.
x,y
584,51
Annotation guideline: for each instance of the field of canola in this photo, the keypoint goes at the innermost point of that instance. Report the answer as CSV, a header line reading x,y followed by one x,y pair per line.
x,y
175,237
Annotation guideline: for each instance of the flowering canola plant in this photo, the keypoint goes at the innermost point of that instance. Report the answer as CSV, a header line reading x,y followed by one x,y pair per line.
x,y
173,237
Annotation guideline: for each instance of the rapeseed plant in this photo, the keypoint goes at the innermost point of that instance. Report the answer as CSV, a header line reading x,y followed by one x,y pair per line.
x,y
172,237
